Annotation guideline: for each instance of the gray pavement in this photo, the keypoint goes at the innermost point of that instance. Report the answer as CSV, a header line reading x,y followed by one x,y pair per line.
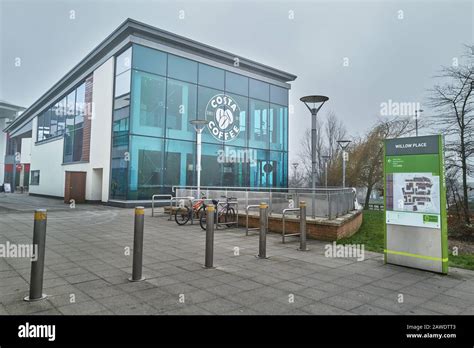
x,y
88,264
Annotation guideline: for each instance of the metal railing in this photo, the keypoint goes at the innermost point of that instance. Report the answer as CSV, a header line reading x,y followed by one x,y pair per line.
x,y
247,229
160,200
283,230
322,202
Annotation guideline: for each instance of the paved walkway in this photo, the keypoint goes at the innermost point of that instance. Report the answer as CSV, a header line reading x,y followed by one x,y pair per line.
x,y
87,269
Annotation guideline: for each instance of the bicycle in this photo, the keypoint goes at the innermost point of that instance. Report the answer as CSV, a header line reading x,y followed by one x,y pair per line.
x,y
183,214
226,213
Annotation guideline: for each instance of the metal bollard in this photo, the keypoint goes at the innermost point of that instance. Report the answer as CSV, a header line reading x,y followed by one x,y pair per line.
x,y
138,245
303,227
209,257
262,242
37,267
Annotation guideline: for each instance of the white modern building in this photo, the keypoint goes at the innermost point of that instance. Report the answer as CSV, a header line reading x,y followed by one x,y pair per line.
x,y
116,128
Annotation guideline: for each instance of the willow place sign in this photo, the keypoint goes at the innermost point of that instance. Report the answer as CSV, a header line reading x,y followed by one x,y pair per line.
x,y
224,115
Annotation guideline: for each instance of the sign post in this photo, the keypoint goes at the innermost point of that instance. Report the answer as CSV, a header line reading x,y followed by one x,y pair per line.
x,y
415,203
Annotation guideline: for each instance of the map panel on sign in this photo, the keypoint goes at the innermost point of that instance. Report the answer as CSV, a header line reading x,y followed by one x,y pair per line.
x,y
416,192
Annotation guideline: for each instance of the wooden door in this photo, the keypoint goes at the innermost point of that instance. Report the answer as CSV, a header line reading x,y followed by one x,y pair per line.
x,y
75,187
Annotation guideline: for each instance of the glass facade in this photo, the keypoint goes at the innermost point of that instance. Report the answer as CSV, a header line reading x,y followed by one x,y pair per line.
x,y
65,118
154,146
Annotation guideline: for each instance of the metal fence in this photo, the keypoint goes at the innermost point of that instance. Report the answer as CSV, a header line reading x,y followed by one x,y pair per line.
x,y
321,202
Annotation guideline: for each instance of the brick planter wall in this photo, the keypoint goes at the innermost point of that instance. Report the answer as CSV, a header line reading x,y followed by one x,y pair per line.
x,y
321,229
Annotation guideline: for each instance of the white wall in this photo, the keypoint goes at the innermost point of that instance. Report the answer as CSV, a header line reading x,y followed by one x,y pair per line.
x,y
48,157
25,150
101,128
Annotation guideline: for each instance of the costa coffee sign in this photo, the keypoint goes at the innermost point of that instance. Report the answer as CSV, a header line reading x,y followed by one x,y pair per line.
x,y
224,115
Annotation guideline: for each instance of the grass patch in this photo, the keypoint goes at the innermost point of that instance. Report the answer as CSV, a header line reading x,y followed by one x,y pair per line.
x,y
462,261
371,234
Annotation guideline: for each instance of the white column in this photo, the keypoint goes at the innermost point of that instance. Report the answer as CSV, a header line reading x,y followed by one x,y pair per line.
x,y
198,161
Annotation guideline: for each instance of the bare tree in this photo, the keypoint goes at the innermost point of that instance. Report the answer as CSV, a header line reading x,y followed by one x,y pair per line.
x,y
335,130
453,103
328,132
305,155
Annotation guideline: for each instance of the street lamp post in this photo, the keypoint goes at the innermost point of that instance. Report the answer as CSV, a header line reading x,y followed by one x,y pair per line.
x,y
416,119
198,127
326,159
311,102
344,144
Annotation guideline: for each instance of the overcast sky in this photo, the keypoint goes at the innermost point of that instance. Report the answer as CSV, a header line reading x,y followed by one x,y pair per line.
x,y
359,53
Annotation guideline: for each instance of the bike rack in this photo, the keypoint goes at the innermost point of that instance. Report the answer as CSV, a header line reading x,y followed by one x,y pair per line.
x,y
234,203
247,229
160,200
192,203
283,235
175,199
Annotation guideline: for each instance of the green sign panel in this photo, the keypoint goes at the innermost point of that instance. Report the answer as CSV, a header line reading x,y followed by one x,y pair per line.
x,y
415,203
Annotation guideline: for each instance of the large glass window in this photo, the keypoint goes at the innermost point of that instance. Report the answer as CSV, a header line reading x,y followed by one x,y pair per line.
x,y
179,163
148,104
280,168
61,112
119,167
71,110
235,163
182,68
80,105
122,84
181,107
211,173
77,145
153,146
47,124
211,77
242,102
123,61
68,146
39,126
258,129
278,127
236,83
146,167
119,182
278,95
54,111
149,60
259,90
261,170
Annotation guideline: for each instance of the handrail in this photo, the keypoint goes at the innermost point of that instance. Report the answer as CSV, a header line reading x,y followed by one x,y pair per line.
x,y
247,229
283,222
273,189
162,200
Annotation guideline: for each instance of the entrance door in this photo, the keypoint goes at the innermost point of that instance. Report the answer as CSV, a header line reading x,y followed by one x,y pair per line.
x,y
75,187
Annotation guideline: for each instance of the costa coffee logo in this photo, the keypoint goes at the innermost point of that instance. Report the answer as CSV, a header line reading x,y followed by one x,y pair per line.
x,y
224,114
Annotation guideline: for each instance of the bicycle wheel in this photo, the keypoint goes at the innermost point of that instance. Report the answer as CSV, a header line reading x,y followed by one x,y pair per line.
x,y
182,215
202,219
230,216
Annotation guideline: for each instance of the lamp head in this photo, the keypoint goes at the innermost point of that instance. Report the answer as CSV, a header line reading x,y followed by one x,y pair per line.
x,y
311,102
343,143
199,124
